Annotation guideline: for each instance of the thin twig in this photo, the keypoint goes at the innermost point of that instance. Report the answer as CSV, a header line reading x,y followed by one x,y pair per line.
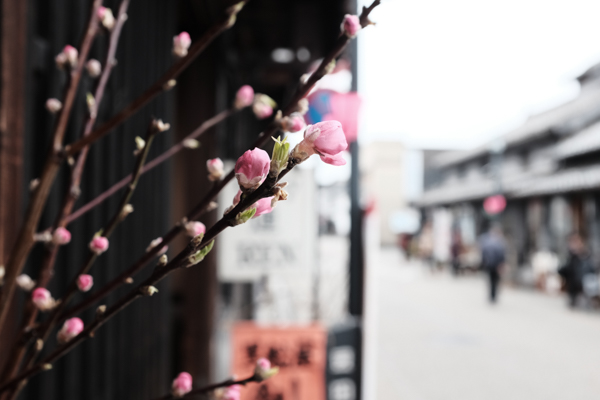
x,y
210,388
205,126
25,237
162,83
51,250
204,204
106,232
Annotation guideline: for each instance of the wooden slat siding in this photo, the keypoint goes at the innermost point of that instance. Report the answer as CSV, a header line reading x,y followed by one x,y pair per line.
x,y
13,58
129,357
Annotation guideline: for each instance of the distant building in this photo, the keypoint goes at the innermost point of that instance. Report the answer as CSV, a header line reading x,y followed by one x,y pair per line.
x,y
549,171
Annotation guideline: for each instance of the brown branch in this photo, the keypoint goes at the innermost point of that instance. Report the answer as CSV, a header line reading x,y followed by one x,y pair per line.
x,y
162,83
205,126
210,388
106,232
25,237
204,204
51,251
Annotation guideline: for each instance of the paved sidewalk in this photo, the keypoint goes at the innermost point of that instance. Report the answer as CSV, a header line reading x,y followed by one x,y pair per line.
x,y
438,338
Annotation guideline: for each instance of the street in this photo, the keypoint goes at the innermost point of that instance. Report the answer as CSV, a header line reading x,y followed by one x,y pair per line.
x,y
437,337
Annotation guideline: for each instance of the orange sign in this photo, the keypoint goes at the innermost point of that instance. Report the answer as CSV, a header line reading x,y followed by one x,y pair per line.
x,y
299,352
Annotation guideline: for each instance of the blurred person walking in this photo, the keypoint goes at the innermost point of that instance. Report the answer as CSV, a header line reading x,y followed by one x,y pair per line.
x,y
493,255
577,266
456,248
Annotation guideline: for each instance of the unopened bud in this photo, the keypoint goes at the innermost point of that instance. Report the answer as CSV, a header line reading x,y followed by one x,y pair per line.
x,y
197,240
244,216
302,106
330,67
279,159
128,280
127,209
94,68
191,144
149,290
71,161
181,44
171,83
100,310
233,11
2,272
106,17
160,126
139,145
43,237
211,206
47,366
39,344
53,105
91,103
34,184
25,282
163,260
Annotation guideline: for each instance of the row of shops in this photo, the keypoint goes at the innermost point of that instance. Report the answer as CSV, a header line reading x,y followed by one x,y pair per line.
x,y
548,170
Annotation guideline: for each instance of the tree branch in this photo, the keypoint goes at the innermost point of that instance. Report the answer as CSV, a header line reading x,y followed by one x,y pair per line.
x,y
162,83
210,388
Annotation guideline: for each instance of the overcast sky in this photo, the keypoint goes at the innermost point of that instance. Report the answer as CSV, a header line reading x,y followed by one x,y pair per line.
x,y
457,73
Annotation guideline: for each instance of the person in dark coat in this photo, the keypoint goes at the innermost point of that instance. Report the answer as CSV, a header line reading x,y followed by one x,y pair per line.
x,y
578,264
492,258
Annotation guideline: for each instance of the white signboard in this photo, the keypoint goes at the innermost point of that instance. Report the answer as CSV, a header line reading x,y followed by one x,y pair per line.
x,y
282,241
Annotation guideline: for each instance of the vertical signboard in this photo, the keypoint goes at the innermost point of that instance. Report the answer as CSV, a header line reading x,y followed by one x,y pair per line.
x,y
344,352
298,351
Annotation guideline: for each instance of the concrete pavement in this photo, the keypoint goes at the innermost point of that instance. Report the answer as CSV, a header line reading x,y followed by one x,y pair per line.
x,y
438,338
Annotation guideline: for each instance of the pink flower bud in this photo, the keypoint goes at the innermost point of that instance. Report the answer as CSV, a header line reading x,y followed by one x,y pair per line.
x,y
252,168
71,54
244,97
99,244
157,242
263,206
263,369
215,169
182,384
351,25
181,44
326,139
262,110
85,282
71,328
94,68
294,123
61,236
53,105
42,299
232,392
106,17
25,282
195,228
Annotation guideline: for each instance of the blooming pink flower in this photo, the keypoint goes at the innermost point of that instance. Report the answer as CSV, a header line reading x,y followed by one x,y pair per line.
x,y
99,244
244,97
85,282
326,139
182,384
181,44
106,17
351,25
215,169
195,228
53,105
61,236
42,299
252,168
71,328
94,68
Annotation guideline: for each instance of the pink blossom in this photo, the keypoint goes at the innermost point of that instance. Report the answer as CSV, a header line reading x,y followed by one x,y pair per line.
x,y
71,328
244,97
263,369
351,25
106,17
215,169
85,282
61,236
72,55
182,384
156,242
42,299
252,168
53,105
232,392
181,44
99,244
326,139
263,206
195,228
262,110
294,123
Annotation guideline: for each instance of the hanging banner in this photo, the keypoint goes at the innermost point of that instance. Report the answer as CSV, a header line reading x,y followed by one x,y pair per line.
x,y
298,351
